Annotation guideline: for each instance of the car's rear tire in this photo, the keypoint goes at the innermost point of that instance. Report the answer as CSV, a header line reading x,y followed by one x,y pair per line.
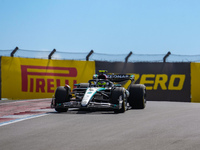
x,y
62,95
84,85
137,97
116,94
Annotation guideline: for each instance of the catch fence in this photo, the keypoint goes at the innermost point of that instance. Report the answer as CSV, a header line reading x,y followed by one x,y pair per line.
x,y
93,56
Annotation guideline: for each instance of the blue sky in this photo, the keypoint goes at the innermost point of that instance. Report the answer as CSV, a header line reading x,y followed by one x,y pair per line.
x,y
106,26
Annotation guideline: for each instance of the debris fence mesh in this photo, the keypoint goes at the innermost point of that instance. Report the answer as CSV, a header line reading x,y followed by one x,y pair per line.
x,y
43,54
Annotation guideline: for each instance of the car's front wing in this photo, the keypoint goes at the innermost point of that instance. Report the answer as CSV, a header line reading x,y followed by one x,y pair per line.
x,y
77,104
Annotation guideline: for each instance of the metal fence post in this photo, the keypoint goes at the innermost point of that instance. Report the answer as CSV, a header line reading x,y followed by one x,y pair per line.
x,y
87,57
14,51
165,57
126,59
52,52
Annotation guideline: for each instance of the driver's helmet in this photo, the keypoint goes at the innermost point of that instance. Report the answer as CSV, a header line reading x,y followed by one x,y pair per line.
x,y
101,83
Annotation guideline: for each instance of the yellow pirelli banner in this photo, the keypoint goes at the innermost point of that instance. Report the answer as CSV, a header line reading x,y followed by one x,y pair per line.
x,y
25,78
195,82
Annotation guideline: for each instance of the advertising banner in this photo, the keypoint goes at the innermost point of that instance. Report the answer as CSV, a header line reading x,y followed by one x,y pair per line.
x,y
25,78
164,81
195,82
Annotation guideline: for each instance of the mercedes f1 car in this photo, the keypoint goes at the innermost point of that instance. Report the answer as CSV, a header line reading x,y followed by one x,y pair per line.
x,y
103,91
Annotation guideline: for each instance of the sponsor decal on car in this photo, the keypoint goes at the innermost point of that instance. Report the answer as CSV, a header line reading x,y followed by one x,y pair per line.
x,y
118,76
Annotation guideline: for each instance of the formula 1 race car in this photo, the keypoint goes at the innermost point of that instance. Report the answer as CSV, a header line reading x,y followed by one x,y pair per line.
x,y
103,91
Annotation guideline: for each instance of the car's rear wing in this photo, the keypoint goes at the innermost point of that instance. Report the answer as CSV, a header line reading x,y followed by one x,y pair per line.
x,y
115,77
123,79
120,77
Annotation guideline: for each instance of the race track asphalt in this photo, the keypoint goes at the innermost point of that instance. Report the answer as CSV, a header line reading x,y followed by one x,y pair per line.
x,y
160,126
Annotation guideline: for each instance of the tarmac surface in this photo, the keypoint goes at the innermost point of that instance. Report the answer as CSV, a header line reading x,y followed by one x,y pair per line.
x,y
160,126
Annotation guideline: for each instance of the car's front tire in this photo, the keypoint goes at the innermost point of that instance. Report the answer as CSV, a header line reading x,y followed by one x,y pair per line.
x,y
118,94
62,95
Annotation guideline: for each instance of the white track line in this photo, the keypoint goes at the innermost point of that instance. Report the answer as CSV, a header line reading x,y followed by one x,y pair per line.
x,y
26,117
16,116
29,100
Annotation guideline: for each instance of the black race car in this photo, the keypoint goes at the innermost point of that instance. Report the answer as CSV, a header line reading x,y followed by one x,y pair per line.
x,y
103,91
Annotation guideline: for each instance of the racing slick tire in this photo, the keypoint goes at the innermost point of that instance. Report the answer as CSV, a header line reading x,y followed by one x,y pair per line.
x,y
116,94
62,95
137,97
